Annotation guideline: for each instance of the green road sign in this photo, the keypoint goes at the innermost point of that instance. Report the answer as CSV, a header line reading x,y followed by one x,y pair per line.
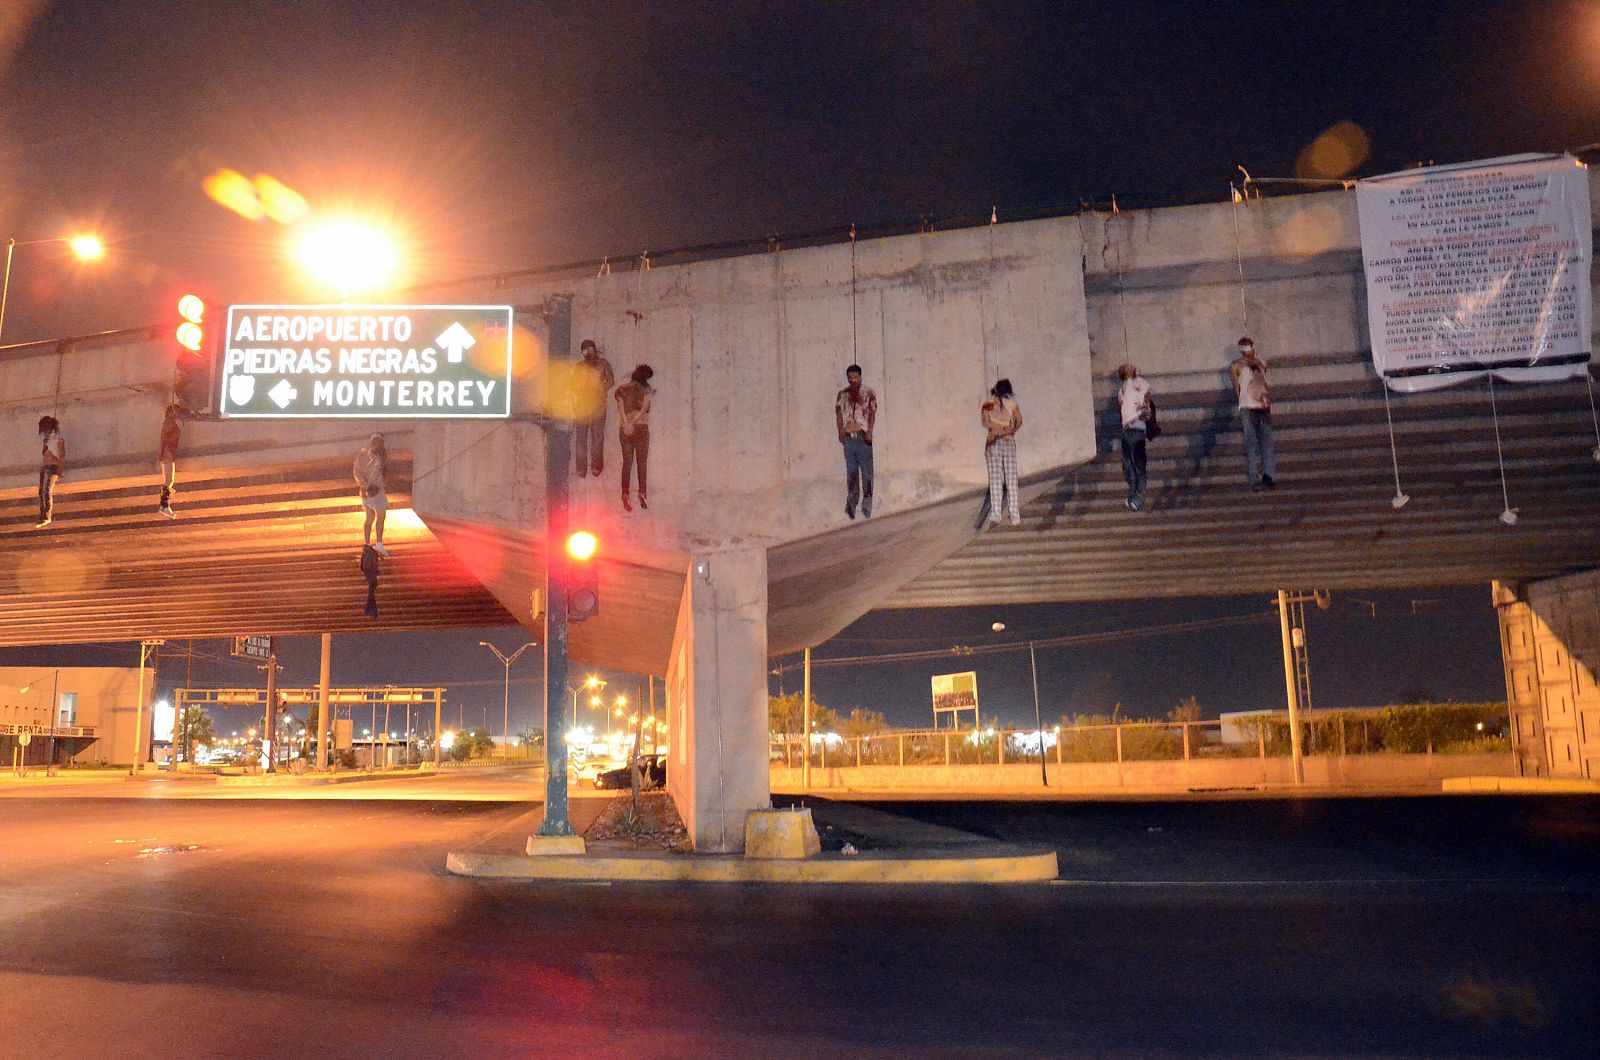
x,y
366,361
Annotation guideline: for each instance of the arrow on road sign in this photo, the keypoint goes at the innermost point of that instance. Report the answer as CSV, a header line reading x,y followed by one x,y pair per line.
x,y
283,393
455,341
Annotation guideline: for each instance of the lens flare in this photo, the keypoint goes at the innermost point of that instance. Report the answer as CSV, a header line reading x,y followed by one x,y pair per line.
x,y
280,202
1335,153
234,191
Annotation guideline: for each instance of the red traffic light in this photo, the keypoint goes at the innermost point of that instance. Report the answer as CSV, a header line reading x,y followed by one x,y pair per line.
x,y
190,334
582,545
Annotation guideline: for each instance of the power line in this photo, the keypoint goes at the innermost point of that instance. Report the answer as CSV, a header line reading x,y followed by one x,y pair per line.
x,y
1106,636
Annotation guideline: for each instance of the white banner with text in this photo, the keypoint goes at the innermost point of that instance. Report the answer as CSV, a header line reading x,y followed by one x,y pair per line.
x,y
1478,267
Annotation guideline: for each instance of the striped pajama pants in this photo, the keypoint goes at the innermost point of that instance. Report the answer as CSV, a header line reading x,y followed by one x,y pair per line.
x,y
1001,458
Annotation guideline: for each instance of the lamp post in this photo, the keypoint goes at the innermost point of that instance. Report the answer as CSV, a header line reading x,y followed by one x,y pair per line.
x,y
590,682
85,247
55,708
506,660
1038,722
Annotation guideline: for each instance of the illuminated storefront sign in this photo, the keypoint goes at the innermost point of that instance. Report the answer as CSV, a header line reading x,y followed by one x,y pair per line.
x,y
364,361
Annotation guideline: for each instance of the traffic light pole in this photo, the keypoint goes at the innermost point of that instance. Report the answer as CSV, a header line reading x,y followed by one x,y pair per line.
x,y
557,822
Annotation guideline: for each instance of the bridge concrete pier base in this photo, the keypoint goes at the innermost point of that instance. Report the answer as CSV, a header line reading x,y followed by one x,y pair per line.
x,y
717,698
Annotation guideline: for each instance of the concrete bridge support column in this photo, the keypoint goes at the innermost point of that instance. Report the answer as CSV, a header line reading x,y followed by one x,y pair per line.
x,y
1550,641
717,698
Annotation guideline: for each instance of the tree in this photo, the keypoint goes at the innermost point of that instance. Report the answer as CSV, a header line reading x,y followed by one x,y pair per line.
x,y
471,743
862,723
1187,709
195,730
786,715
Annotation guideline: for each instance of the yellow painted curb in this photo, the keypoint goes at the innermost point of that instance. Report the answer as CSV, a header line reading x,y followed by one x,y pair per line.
x,y
1522,785
1010,867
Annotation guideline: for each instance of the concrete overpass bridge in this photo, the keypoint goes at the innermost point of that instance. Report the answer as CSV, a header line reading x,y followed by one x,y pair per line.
x,y
745,551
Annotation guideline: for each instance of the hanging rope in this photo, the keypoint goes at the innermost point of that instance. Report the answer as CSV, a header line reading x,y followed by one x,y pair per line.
x,y
1122,296
1509,514
983,299
1399,499
1238,256
1595,419
853,357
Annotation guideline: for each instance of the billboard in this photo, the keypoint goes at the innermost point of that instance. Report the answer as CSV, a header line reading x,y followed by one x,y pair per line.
x,y
954,694
366,361
1478,267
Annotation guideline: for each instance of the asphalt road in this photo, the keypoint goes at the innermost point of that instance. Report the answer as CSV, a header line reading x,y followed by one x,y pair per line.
x,y
174,927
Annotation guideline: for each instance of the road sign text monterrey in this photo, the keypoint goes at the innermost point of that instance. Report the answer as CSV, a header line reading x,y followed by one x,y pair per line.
x,y
363,361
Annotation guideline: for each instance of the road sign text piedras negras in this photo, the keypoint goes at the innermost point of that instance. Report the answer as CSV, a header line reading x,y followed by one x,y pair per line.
x,y
392,361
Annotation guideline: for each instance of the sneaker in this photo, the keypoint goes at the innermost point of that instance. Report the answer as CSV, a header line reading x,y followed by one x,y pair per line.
x,y
1016,520
580,472
167,511
380,550
595,471
643,501
1135,503
849,510
627,505
1266,482
42,523
866,508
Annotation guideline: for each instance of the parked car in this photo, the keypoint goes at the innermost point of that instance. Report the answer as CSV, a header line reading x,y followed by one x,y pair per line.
x,y
654,775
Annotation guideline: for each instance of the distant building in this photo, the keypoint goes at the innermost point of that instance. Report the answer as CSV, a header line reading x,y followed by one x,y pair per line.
x,y
92,718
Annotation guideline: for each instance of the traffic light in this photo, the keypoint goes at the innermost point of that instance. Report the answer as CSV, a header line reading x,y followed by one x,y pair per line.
x,y
583,576
191,332
192,382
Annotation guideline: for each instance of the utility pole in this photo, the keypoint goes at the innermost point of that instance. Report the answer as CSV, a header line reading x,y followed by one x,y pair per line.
x,y
805,723
558,314
269,732
147,649
1289,683
1033,665
324,722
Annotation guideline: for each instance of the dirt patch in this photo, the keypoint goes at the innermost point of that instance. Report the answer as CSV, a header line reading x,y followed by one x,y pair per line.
x,y
656,826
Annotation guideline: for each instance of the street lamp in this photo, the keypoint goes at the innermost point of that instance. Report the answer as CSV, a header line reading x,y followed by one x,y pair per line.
x,y
85,247
590,682
505,731
349,256
55,708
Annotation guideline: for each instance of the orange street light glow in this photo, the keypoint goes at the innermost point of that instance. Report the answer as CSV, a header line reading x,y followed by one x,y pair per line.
x,y
87,247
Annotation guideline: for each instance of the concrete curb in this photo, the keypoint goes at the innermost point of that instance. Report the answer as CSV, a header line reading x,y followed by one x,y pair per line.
x,y
1522,786
63,778
1000,865
276,781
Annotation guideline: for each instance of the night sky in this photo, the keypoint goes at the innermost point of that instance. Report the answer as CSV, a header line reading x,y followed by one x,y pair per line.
x,y
508,135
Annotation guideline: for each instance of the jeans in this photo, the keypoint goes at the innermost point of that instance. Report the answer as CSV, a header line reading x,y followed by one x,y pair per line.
x,y
589,435
1260,460
636,445
47,491
1133,460
858,473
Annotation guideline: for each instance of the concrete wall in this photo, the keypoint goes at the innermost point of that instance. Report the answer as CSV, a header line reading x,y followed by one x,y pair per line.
x,y
1550,639
108,698
717,698
1321,771
750,351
